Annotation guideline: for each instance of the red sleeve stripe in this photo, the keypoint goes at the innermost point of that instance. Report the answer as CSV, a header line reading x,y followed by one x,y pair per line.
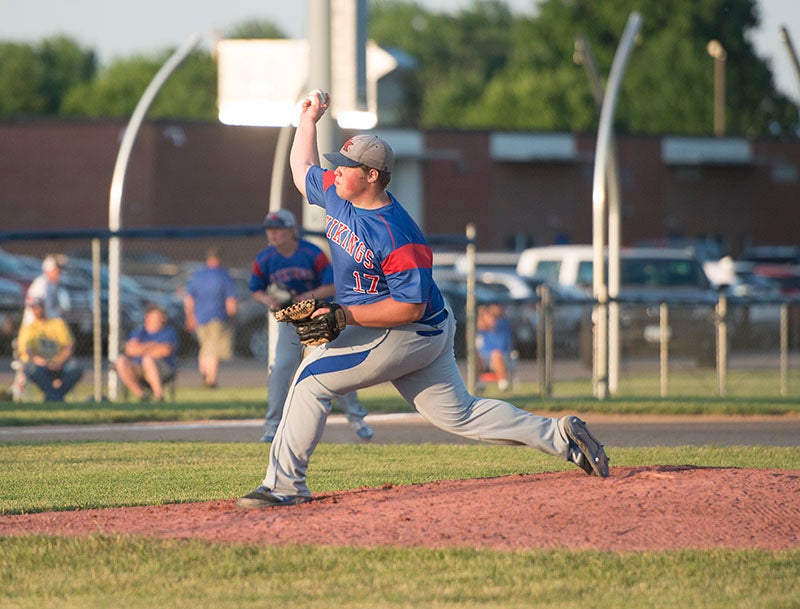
x,y
408,257
320,262
328,177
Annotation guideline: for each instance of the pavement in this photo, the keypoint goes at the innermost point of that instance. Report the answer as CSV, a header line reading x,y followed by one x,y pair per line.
x,y
411,428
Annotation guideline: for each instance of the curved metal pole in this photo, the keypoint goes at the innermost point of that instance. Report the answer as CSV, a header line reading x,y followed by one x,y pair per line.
x,y
115,198
584,56
279,164
787,40
600,289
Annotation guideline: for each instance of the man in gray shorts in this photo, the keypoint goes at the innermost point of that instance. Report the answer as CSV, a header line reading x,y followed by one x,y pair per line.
x,y
210,306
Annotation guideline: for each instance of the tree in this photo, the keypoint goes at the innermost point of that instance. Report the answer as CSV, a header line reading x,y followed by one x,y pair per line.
x,y
456,55
21,78
251,29
190,91
668,85
65,65
486,68
34,79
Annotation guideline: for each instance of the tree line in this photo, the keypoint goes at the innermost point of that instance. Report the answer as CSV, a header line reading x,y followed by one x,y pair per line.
x,y
483,67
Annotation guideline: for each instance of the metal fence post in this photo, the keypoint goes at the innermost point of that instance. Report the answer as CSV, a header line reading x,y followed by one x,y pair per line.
x,y
471,311
547,308
784,348
97,322
722,345
540,346
664,347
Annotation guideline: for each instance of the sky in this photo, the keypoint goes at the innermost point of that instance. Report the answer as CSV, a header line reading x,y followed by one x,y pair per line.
x,y
119,29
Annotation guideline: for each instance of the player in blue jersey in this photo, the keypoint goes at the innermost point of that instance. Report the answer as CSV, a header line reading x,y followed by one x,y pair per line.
x,y
399,328
210,307
293,269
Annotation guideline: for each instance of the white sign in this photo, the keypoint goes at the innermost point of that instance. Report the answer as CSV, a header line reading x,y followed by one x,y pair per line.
x,y
261,81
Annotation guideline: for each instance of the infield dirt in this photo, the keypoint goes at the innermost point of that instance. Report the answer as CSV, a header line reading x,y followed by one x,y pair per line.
x,y
636,508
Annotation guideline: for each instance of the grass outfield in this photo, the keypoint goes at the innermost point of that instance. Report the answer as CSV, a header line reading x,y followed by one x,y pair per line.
x,y
250,403
123,572
104,572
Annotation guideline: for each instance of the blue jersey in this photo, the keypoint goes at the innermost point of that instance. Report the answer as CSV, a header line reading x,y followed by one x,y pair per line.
x,y
210,288
305,270
376,254
166,334
499,338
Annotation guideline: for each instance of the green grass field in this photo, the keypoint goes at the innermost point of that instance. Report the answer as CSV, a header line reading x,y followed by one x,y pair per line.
x,y
194,403
103,571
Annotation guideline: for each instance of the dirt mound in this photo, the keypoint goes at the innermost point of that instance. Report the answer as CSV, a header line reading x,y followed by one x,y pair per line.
x,y
637,508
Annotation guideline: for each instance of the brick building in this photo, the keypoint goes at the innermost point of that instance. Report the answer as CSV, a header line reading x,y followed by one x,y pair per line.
x,y
519,189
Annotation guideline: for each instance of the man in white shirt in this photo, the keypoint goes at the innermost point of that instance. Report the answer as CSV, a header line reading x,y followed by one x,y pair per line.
x,y
47,287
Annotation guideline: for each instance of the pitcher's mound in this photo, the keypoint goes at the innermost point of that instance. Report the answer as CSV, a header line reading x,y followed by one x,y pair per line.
x,y
636,508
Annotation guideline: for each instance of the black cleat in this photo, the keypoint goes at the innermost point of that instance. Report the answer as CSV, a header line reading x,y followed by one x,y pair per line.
x,y
585,450
263,497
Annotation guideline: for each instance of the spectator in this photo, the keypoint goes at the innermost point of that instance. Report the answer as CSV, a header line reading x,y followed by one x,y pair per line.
x,y
47,287
494,343
210,305
45,347
293,269
149,358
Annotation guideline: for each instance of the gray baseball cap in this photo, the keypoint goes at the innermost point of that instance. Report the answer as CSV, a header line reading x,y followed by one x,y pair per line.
x,y
369,150
280,218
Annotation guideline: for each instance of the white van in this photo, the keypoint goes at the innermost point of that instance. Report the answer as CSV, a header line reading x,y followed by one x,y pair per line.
x,y
568,265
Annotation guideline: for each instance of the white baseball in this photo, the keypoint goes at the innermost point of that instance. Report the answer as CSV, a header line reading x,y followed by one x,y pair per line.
x,y
320,96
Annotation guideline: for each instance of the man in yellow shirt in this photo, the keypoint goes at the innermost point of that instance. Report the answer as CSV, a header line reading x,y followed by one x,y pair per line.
x,y
45,348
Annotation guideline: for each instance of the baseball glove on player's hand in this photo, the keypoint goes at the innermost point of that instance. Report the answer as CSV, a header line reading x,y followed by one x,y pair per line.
x,y
318,330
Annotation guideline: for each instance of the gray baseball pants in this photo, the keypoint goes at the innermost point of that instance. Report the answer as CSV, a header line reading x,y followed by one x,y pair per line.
x,y
418,360
288,355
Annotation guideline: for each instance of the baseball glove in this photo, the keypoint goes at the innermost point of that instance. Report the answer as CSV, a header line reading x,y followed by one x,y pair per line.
x,y
319,330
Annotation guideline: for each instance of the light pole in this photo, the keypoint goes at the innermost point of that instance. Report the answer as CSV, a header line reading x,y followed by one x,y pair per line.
x,y
717,51
787,40
115,198
599,203
584,56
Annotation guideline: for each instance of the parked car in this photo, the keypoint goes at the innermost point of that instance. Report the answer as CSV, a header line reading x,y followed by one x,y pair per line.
x,y
488,261
569,306
569,265
152,270
12,301
18,269
787,255
454,288
77,278
649,277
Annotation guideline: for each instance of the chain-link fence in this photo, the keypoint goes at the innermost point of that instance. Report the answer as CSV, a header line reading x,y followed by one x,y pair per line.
x,y
735,347
668,347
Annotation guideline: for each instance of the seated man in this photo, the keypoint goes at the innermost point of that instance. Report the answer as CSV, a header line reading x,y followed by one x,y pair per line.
x,y
45,348
494,343
149,358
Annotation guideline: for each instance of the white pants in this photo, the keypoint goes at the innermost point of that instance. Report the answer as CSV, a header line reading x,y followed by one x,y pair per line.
x,y
419,361
288,355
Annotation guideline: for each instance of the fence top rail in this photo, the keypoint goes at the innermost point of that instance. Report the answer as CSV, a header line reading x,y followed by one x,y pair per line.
x,y
181,232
